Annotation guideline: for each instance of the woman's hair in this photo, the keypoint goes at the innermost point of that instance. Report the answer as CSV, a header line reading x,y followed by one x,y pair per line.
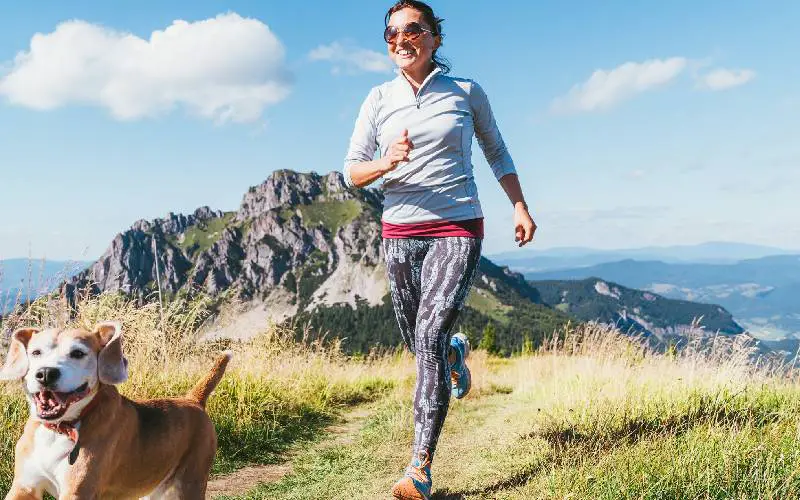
x,y
430,18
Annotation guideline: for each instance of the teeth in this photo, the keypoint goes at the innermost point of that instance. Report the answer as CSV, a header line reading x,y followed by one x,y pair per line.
x,y
404,52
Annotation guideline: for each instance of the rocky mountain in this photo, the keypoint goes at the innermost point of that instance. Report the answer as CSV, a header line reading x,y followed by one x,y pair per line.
x,y
305,249
295,238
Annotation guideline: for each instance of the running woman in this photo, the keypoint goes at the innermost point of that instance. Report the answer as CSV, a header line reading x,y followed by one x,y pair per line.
x,y
423,122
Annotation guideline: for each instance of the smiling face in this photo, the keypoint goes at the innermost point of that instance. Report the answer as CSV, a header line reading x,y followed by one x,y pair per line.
x,y
413,57
61,370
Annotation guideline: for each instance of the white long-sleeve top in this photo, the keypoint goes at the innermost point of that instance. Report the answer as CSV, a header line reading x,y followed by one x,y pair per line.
x,y
437,182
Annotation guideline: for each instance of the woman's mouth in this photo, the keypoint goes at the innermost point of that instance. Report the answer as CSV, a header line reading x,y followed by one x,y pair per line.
x,y
405,53
51,405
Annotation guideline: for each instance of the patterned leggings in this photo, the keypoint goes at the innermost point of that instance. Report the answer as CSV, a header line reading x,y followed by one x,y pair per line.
x,y
429,279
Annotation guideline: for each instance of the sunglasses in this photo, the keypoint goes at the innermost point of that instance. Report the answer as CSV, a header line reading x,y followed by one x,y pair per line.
x,y
411,31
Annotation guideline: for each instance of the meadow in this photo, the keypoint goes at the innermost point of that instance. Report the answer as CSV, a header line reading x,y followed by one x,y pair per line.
x,y
590,414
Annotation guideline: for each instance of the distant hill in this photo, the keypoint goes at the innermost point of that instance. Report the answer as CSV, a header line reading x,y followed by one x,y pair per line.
x,y
25,278
632,310
533,260
762,294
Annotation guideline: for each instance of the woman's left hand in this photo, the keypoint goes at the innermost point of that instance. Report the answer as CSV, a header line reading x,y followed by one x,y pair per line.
x,y
524,227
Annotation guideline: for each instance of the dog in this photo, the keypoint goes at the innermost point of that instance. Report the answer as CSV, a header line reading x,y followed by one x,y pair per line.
x,y
84,440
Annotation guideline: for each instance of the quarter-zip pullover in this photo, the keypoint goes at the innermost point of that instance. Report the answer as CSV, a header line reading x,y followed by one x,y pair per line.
x,y
437,182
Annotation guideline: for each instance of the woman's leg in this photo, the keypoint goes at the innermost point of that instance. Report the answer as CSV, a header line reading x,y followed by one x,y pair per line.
x,y
404,258
447,273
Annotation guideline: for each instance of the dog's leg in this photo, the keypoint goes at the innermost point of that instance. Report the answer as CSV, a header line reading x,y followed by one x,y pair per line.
x,y
19,493
191,479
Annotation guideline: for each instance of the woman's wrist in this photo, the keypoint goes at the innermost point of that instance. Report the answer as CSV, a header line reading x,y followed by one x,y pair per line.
x,y
521,204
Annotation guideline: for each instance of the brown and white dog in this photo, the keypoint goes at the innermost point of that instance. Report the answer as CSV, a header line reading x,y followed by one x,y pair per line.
x,y
84,440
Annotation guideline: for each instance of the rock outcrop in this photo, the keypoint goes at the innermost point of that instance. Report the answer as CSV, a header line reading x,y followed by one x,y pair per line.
x,y
292,232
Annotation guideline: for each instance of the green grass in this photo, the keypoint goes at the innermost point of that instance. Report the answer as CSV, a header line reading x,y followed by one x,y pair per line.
x,y
330,214
591,415
276,394
199,238
486,303
589,425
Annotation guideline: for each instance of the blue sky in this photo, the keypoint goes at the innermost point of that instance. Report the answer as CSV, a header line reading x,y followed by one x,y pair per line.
x,y
630,125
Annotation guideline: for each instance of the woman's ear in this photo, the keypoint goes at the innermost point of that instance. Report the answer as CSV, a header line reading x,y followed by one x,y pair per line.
x,y
112,367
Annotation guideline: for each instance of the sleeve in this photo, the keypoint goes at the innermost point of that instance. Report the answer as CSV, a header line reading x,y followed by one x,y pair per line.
x,y
363,141
488,135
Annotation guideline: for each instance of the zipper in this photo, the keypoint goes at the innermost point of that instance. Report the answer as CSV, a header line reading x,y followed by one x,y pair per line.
x,y
428,79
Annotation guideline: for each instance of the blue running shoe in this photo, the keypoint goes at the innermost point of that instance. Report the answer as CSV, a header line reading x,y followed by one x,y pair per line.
x,y
460,378
416,484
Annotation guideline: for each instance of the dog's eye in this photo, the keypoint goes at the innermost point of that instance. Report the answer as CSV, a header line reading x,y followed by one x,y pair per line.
x,y
76,354
36,352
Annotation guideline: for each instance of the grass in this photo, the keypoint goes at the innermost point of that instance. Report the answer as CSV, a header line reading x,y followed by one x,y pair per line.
x,y
592,414
200,237
276,394
486,303
330,214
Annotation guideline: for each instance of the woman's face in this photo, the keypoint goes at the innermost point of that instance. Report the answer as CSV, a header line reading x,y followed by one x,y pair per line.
x,y
412,57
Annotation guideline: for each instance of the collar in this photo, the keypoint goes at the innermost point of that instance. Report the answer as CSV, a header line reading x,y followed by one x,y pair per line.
x,y
70,428
401,78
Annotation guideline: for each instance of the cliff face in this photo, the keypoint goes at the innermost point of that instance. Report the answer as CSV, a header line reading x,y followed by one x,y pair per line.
x,y
292,232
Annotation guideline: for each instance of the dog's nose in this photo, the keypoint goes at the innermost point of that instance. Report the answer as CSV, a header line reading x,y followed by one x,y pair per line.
x,y
48,376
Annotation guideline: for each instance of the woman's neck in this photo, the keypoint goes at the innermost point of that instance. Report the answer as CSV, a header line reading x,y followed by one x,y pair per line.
x,y
416,78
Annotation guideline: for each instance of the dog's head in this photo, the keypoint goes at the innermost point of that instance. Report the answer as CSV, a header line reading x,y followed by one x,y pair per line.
x,y
61,370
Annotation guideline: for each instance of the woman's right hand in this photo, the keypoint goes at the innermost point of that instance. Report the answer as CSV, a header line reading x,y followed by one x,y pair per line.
x,y
398,151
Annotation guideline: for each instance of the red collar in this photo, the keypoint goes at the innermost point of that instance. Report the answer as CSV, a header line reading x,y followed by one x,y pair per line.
x,y
70,429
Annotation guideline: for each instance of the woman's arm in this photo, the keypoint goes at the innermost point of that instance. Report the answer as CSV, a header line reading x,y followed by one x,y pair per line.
x,y
524,227
366,172
499,159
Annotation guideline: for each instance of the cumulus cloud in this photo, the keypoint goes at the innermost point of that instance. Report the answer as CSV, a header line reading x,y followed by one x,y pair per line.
x,y
348,58
722,79
605,88
226,68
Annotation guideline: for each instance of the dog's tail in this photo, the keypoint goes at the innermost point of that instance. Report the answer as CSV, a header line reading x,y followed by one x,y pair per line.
x,y
203,389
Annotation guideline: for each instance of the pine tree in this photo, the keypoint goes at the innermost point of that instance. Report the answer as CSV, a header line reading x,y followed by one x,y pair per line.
x,y
488,339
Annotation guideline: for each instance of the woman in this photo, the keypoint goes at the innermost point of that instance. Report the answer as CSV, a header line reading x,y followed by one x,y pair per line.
x,y
422,122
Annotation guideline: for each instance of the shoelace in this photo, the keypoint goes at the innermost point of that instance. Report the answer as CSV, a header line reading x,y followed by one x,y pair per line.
x,y
418,471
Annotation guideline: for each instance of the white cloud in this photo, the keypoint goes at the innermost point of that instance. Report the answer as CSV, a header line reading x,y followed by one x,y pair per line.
x,y
348,58
722,79
226,68
605,88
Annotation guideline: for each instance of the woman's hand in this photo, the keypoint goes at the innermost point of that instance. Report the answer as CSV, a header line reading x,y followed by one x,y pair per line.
x,y
367,172
398,151
524,227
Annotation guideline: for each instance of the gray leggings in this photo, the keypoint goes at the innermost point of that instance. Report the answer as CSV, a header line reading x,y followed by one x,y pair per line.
x,y
429,279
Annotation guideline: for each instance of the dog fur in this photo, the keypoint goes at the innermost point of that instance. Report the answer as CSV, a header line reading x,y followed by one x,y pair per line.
x,y
161,448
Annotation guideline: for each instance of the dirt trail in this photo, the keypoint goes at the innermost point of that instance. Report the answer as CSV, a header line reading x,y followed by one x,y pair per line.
x,y
247,478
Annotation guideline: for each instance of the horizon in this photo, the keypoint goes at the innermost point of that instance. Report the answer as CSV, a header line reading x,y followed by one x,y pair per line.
x,y
624,134
778,251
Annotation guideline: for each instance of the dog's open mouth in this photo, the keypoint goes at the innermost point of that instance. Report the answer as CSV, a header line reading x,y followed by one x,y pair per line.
x,y
51,405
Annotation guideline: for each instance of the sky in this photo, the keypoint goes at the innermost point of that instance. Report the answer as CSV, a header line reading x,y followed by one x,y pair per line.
x,y
659,123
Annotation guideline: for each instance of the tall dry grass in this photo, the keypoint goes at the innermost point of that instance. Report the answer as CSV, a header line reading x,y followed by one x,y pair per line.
x,y
277,392
591,414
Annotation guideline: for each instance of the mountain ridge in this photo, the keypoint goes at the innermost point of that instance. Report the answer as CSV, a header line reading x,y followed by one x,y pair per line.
x,y
305,247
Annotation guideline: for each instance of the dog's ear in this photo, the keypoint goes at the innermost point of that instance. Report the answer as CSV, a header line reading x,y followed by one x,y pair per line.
x,y
112,367
16,365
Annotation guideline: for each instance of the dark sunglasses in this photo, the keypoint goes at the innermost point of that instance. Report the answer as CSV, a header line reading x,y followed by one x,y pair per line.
x,y
411,31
